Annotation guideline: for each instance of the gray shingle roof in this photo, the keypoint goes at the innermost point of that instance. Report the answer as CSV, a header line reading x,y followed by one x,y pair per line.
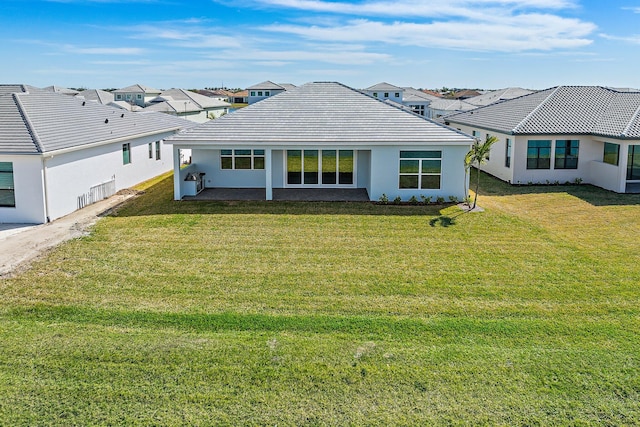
x,y
268,85
40,122
415,95
451,105
181,95
97,95
384,86
498,95
321,114
137,88
562,110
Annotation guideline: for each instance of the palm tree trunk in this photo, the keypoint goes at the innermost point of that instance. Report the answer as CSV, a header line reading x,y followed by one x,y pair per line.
x,y
475,197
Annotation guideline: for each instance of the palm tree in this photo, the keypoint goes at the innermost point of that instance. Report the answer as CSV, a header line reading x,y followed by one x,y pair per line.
x,y
478,155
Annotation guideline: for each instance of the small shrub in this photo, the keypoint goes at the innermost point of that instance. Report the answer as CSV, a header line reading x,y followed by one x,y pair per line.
x,y
440,200
384,199
577,181
453,199
426,200
397,200
413,200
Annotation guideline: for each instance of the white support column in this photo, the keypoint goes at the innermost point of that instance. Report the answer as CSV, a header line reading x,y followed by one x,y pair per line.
x,y
268,174
177,195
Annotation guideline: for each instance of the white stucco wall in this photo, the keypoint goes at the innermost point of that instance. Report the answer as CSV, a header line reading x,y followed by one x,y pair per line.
x,y
29,191
591,169
72,174
385,172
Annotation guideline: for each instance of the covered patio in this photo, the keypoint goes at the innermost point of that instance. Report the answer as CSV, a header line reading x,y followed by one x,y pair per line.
x,y
284,194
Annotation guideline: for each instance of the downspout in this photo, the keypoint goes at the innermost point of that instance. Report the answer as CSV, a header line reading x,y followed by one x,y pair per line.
x,y
46,189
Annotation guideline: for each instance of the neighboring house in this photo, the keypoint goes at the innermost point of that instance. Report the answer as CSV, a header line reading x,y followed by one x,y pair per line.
x,y
265,90
444,107
136,94
241,97
59,153
498,95
219,94
432,93
341,138
188,105
61,90
466,94
418,101
384,91
97,95
587,134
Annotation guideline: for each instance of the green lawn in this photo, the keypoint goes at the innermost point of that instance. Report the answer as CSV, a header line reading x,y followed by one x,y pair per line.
x,y
176,313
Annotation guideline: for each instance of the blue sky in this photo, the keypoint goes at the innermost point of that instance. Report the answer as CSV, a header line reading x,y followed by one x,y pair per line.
x,y
486,44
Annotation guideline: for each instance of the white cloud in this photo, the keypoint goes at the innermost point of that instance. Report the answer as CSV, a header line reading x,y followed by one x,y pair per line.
x,y
343,55
521,33
632,9
422,8
634,39
104,50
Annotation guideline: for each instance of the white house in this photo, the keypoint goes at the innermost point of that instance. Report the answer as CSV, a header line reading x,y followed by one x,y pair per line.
x,y
386,91
188,105
587,134
444,107
324,136
59,153
265,90
136,94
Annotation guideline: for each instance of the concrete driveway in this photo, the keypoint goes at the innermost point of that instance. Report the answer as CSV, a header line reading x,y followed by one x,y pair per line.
x,y
20,244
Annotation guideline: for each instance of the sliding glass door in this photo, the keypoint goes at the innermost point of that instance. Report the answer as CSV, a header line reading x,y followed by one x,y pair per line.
x,y
320,168
633,163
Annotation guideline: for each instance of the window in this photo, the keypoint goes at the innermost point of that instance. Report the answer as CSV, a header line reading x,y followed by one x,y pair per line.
x,y
539,154
128,96
326,167
242,159
386,94
7,192
119,97
126,153
158,151
253,93
633,163
397,94
266,93
566,154
474,133
611,154
139,96
375,94
420,169
151,150
259,93
507,154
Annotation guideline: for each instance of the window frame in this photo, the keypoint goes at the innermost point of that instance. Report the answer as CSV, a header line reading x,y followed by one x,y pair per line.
x,y
420,174
255,155
537,158
507,152
617,153
126,153
150,146
560,161
10,187
158,150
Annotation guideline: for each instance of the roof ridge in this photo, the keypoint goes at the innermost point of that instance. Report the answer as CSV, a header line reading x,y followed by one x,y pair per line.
x,y
535,110
28,123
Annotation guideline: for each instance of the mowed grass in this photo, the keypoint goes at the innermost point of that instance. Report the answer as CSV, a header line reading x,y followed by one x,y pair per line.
x,y
195,313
